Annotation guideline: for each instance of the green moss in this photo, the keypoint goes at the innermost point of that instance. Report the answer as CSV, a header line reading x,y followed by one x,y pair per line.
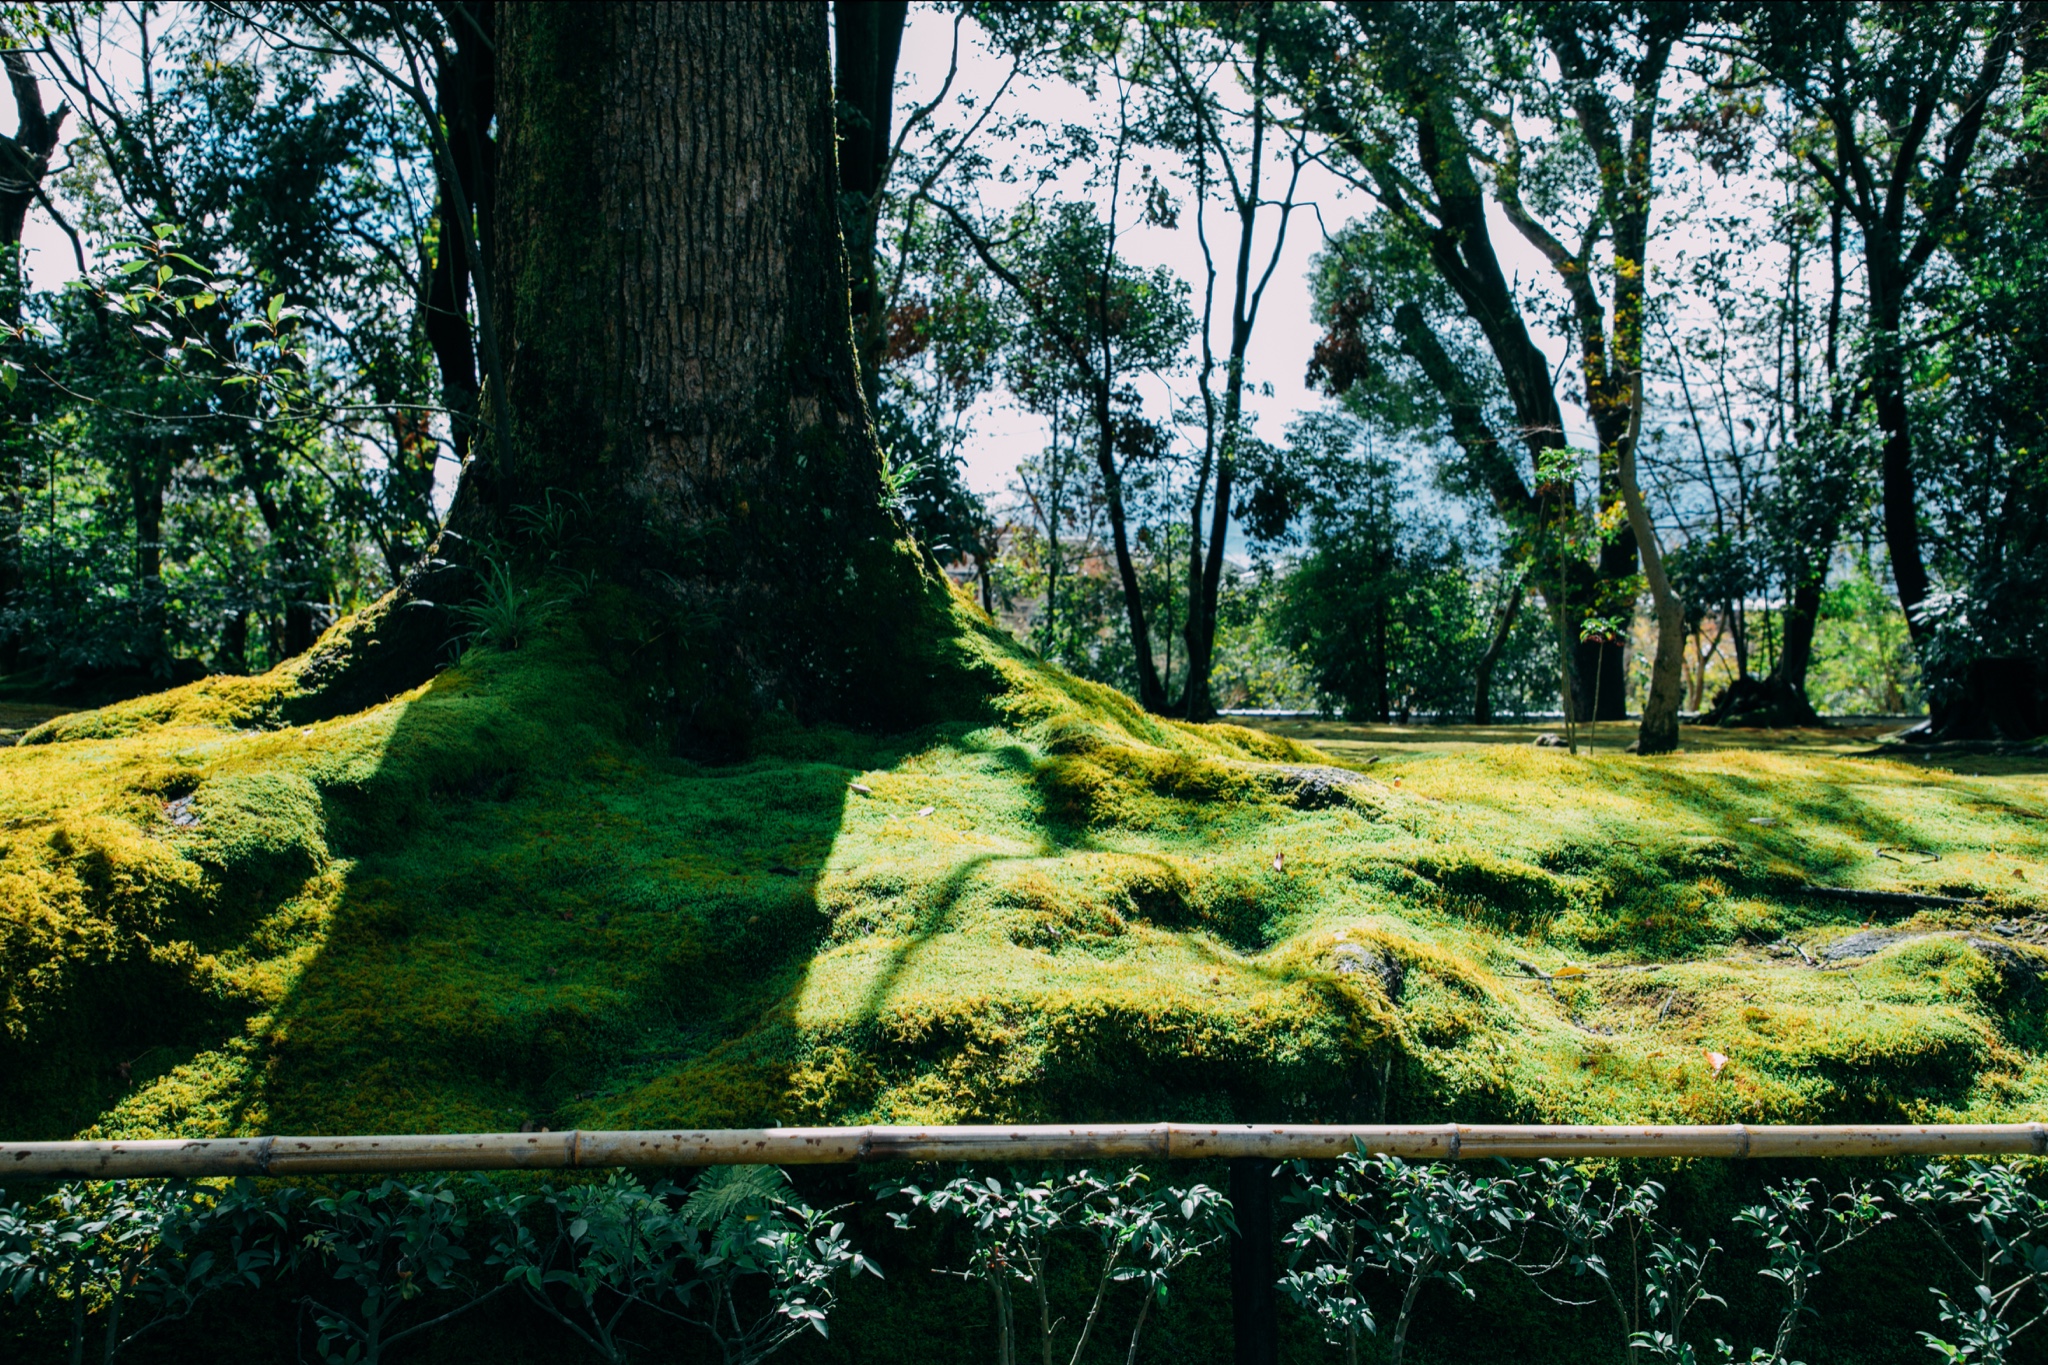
x,y
488,902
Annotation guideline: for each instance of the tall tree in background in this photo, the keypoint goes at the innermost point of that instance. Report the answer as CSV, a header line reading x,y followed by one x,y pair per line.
x,y
1901,95
1226,135
1429,127
191,511
1090,325
1091,317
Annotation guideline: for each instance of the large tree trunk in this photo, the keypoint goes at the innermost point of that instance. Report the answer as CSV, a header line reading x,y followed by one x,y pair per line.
x,y
682,409
673,309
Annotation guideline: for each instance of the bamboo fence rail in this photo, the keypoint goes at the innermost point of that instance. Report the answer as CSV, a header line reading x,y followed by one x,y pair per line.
x,y
583,1149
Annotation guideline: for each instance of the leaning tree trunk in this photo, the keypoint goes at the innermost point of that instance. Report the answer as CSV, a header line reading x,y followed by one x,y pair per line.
x,y
1659,731
24,162
685,432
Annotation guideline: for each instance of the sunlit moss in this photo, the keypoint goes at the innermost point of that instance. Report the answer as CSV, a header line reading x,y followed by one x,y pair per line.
x,y
484,904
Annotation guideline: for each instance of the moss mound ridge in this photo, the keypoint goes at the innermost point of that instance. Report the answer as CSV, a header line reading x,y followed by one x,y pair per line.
x,y
484,903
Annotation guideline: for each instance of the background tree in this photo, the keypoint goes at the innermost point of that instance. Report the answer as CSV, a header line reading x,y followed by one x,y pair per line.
x,y
1095,325
1430,128
253,490
1905,96
1199,53
24,162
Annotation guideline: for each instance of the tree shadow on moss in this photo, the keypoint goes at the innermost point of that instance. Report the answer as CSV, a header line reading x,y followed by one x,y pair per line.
x,y
538,916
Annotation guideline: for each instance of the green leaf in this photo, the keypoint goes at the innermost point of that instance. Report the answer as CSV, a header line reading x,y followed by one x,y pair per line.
x,y
276,308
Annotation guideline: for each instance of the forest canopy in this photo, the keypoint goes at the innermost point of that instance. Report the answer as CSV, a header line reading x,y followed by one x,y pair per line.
x,y
1800,248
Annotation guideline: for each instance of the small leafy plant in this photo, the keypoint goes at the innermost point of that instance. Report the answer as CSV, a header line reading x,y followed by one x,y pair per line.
x,y
2001,1245
126,1257
1141,1237
1411,1224
1800,1222
388,1246
617,1246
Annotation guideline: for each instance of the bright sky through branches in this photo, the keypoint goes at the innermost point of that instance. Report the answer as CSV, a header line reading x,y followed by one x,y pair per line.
x,y
1003,434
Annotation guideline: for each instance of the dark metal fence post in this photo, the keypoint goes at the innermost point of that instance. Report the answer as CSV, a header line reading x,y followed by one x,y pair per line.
x,y
1254,1314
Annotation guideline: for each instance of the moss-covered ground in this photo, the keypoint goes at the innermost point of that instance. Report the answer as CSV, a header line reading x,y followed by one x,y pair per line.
x,y
483,904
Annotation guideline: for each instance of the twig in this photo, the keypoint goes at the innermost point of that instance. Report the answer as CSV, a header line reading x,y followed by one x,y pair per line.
x,y
1895,899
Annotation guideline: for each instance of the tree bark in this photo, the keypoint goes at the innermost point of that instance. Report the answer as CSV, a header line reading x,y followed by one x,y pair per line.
x,y
24,161
1796,628
1380,702
148,473
683,418
24,158
464,89
1482,675
673,303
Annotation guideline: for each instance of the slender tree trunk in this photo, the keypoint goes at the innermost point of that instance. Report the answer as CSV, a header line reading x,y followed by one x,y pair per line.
x,y
24,161
146,478
1151,692
868,35
1895,458
1382,711
1482,675
1245,298
1658,733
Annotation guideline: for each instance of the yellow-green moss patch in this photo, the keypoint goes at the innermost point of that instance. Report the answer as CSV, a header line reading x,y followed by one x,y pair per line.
x,y
484,903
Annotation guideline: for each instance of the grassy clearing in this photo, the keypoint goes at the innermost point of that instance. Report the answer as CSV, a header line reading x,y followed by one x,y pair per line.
x,y
482,905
